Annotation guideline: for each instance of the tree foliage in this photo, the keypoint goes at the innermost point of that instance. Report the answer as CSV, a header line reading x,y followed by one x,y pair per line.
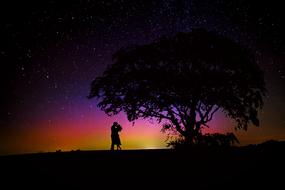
x,y
207,140
183,80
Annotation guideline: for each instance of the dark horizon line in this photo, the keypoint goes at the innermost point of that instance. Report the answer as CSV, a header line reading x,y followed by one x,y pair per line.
x,y
59,151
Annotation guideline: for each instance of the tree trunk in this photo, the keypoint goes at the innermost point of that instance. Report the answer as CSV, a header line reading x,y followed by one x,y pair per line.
x,y
190,132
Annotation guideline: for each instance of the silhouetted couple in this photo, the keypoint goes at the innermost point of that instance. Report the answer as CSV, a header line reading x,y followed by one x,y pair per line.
x,y
115,129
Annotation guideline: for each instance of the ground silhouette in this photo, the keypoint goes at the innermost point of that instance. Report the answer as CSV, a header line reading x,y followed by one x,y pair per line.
x,y
254,166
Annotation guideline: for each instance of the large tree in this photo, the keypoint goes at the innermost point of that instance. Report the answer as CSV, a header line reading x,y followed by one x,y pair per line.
x,y
183,80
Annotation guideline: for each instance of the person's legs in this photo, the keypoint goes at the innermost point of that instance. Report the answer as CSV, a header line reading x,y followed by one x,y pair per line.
x,y
112,146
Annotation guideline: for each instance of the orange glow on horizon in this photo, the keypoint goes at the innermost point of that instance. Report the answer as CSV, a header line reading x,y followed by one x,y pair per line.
x,y
85,134
92,132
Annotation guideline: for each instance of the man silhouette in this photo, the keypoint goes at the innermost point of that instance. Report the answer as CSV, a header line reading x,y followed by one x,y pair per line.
x,y
115,138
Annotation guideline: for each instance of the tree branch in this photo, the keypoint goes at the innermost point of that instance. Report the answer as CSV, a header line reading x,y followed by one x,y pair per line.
x,y
175,122
180,115
208,110
205,125
154,114
211,116
208,115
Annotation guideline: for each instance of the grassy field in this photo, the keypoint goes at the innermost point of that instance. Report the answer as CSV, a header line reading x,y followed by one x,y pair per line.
x,y
254,167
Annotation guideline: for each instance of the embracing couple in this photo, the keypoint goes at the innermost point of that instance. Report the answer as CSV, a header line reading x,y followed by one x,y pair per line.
x,y
115,129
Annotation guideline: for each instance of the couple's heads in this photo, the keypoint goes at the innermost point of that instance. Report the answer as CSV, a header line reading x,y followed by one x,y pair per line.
x,y
117,126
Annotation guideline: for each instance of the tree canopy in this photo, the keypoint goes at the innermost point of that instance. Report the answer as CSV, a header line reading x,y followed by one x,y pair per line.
x,y
183,81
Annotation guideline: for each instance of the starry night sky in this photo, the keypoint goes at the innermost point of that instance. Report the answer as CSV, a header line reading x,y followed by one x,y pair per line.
x,y
51,51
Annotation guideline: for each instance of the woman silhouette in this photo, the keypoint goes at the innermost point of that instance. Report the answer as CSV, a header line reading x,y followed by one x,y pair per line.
x,y
115,129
